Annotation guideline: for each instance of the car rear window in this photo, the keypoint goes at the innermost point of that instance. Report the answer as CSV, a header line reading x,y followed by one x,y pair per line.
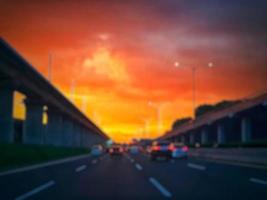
x,y
163,143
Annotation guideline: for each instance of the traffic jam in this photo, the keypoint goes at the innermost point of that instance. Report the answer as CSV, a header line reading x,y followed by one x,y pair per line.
x,y
156,151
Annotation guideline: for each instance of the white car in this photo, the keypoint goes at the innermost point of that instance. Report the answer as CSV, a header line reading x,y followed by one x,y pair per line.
x,y
96,150
133,150
179,151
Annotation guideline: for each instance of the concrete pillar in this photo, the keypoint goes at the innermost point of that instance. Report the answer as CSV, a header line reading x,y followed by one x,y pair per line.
x,y
88,138
204,136
54,134
6,114
33,130
245,129
220,134
183,139
67,132
84,137
192,138
77,135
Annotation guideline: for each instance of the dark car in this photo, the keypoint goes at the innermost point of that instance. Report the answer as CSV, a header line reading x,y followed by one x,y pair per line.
x,y
160,149
116,150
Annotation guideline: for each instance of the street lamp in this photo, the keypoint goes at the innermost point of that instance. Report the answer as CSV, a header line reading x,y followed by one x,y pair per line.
x,y
72,90
146,122
159,109
194,69
49,70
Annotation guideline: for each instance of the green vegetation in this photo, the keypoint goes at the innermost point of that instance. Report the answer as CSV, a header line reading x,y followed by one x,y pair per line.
x,y
17,155
203,109
206,108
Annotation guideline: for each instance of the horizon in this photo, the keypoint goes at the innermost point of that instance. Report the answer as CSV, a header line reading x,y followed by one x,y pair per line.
x,y
111,66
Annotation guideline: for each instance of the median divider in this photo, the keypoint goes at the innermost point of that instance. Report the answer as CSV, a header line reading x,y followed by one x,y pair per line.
x,y
243,156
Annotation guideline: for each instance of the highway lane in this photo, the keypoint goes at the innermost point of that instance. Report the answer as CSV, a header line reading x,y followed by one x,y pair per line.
x,y
97,178
15,184
135,177
199,179
110,178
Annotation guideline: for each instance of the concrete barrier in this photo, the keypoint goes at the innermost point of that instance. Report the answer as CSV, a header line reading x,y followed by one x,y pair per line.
x,y
254,156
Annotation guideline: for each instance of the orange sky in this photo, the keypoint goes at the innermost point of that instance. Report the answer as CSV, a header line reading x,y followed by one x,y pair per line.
x,y
116,56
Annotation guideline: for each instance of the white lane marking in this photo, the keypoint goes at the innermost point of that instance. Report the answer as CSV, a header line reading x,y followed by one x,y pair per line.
x,y
47,164
139,167
162,189
36,190
128,157
255,180
81,168
94,161
195,166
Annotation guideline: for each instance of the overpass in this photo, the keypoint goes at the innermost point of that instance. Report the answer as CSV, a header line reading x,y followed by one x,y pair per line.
x,y
66,126
241,123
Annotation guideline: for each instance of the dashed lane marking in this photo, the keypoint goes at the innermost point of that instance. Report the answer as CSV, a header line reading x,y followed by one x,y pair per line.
x,y
81,168
94,161
36,190
138,166
259,181
195,166
160,187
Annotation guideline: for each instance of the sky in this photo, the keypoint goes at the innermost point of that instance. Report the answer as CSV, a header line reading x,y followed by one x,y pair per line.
x,y
115,58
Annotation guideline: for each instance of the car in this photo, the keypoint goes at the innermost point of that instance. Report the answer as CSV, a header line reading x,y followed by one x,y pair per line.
x,y
160,149
179,150
116,150
96,150
133,149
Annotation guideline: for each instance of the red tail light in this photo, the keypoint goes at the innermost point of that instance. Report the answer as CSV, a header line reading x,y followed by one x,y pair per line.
x,y
171,148
185,149
156,148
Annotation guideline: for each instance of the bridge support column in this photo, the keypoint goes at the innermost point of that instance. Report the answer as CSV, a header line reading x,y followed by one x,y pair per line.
x,y
220,134
90,139
183,139
6,114
67,132
84,141
192,139
245,129
54,127
33,130
204,136
77,135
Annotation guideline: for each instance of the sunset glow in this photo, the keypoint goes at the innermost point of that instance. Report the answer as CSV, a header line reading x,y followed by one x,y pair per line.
x,y
112,59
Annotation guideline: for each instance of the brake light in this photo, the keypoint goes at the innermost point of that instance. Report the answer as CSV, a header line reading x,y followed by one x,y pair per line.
x,y
185,149
156,148
171,148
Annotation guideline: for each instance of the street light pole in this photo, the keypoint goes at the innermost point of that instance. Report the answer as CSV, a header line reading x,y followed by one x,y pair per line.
x,y
159,109
194,90
50,67
146,122
72,90
194,98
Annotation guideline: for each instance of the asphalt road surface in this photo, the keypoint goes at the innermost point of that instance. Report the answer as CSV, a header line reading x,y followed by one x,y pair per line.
x,y
135,177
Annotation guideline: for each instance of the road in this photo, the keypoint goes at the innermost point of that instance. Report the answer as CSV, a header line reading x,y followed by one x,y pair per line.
x,y
135,177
